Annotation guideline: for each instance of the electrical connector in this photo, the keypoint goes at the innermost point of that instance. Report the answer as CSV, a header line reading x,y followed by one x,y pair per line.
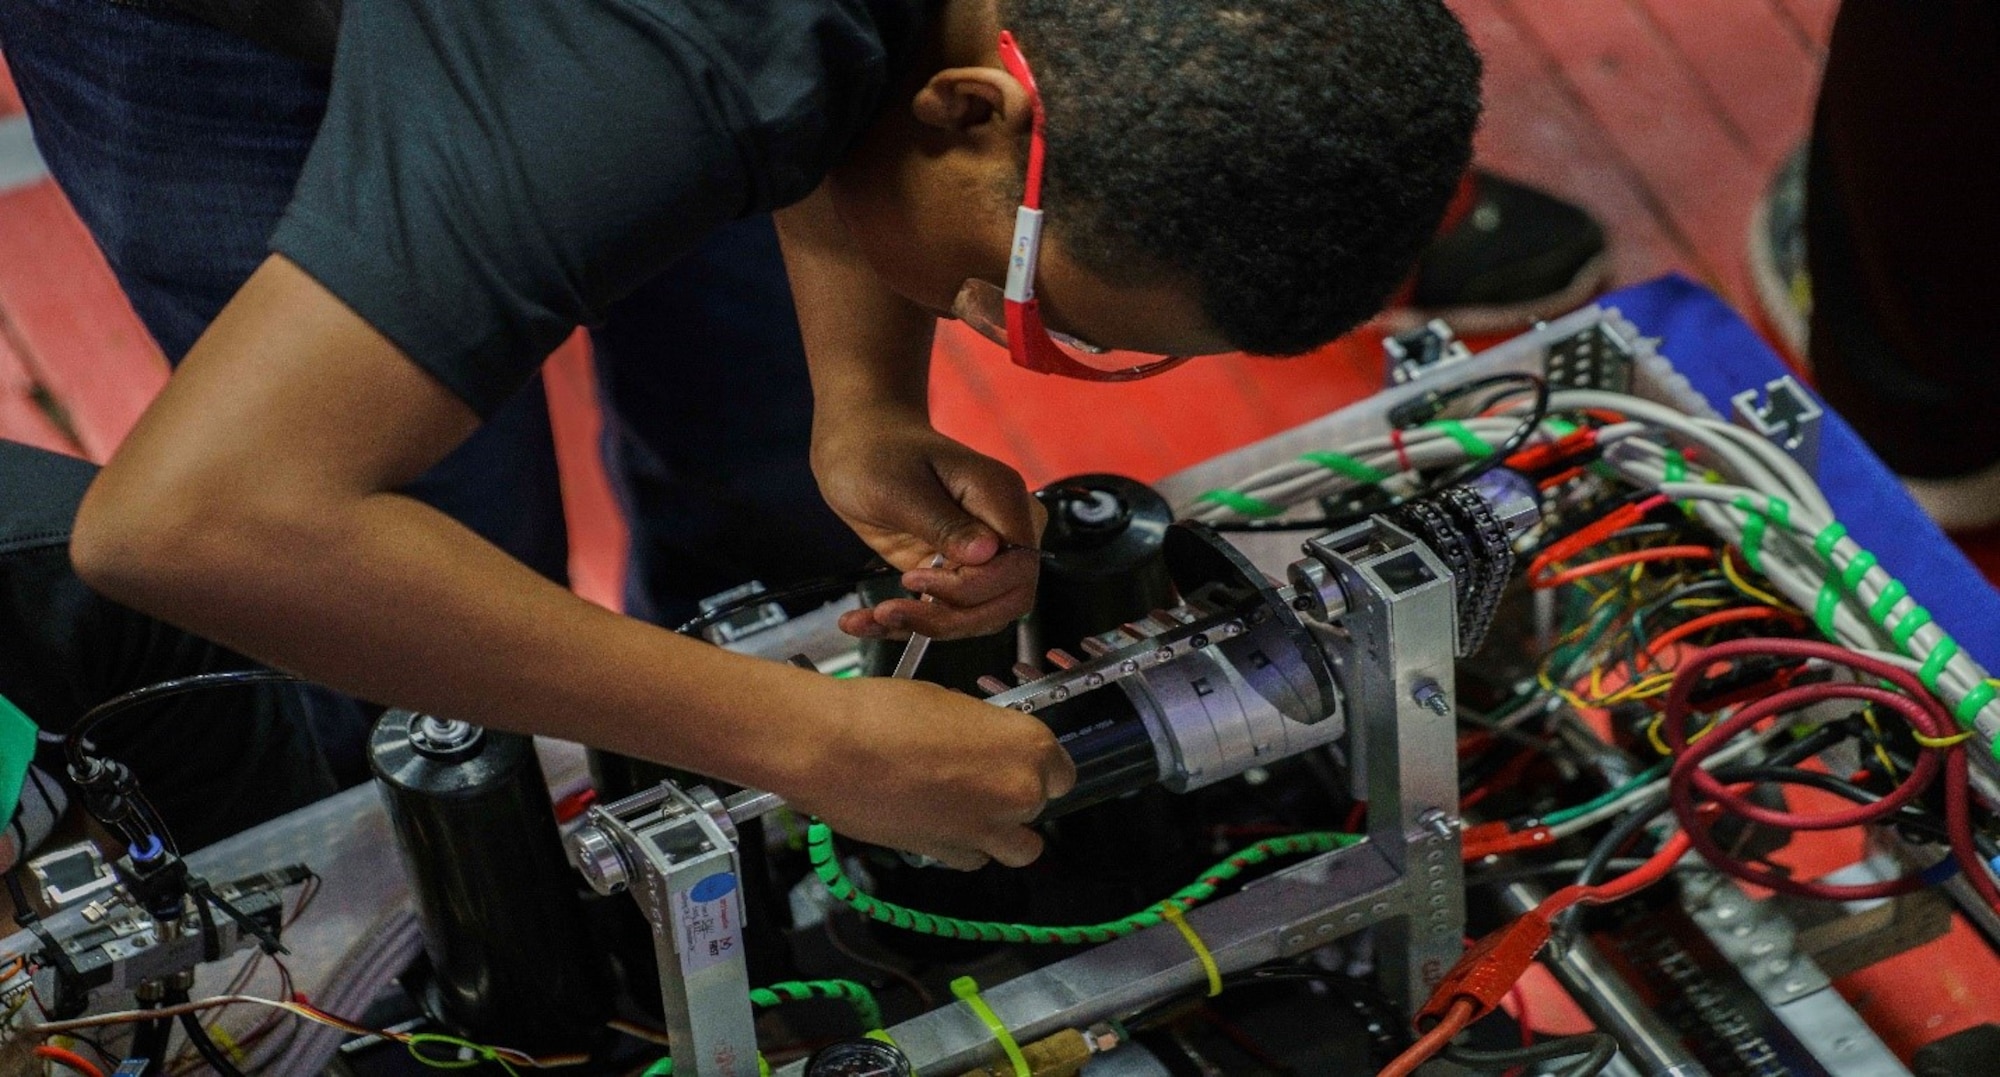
x,y
1492,839
1489,970
1560,451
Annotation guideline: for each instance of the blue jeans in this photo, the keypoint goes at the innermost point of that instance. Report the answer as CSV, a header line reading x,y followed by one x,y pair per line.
x,y
179,145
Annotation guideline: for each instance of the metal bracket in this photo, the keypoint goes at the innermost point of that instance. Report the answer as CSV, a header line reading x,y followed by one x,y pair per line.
x,y
676,851
1789,418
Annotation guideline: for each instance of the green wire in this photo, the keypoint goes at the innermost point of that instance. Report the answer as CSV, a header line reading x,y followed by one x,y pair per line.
x,y
819,849
863,999
1650,774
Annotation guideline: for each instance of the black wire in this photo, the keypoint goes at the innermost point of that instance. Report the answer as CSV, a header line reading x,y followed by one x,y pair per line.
x,y
150,1043
1598,861
1912,816
1597,1048
820,585
206,1047
1428,406
1475,468
76,743
24,913
1536,871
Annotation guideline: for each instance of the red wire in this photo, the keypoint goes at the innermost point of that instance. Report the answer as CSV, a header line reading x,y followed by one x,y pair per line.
x,y
69,1058
1402,454
1559,478
1430,1043
1613,522
1689,756
1617,561
1657,867
1713,619
1914,703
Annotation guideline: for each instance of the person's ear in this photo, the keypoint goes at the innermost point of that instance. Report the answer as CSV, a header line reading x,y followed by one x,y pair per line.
x,y
963,98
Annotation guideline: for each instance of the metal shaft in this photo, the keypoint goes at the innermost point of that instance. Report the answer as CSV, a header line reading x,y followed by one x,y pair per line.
x,y
1645,1042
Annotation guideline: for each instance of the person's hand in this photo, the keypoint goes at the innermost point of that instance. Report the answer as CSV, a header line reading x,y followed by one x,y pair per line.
x,y
913,494
924,769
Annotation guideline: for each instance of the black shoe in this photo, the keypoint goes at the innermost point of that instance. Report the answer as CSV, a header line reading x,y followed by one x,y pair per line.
x,y
1516,256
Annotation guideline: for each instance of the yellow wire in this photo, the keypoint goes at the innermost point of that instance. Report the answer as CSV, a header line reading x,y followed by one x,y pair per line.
x,y
1881,753
1660,742
1653,735
1737,581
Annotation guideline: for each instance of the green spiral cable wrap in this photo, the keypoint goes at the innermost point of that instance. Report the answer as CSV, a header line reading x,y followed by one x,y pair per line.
x,y
819,848
862,999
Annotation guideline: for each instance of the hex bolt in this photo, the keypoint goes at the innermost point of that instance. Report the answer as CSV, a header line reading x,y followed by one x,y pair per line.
x,y
1438,822
1431,697
597,856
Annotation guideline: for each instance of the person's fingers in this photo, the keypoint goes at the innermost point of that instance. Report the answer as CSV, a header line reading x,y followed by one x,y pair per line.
x,y
961,860
995,495
1058,773
863,624
1016,847
940,620
975,585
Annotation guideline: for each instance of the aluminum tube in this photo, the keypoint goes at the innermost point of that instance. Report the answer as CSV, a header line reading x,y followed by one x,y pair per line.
x,y
1645,1042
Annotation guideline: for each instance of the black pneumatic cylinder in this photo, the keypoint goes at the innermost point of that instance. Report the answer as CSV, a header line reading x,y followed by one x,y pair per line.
x,y
502,918
1109,744
1103,564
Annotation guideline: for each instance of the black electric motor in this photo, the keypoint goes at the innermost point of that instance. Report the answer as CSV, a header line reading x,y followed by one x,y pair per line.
x,y
512,960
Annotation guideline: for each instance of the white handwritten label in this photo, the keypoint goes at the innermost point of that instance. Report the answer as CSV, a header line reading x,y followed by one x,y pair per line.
x,y
711,922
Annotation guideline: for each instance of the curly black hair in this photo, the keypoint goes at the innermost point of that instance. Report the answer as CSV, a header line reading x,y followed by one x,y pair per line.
x,y
1290,157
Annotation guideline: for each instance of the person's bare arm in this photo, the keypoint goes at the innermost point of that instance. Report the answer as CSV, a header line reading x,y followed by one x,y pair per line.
x,y
909,491
254,504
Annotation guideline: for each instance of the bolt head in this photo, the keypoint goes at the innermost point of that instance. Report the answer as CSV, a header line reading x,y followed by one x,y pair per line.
x,y
597,857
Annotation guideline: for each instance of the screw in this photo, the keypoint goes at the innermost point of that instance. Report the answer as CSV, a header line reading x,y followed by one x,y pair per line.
x,y
1431,697
1437,822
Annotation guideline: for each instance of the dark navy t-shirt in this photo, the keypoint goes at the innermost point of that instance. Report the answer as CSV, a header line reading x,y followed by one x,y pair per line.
x,y
490,174
212,763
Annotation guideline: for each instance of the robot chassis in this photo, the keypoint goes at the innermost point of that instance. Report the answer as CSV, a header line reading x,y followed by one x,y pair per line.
x,y
1355,653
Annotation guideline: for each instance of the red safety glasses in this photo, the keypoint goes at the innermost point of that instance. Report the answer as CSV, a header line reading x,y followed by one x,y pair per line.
x,y
1013,317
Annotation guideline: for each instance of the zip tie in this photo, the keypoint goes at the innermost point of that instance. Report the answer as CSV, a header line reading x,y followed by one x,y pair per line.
x,y
1677,466
1891,594
1974,702
1342,464
1472,443
227,1042
1827,603
1952,741
880,1035
1753,534
1934,665
1850,577
1907,627
967,990
1402,451
1828,537
1562,428
1241,503
1172,914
